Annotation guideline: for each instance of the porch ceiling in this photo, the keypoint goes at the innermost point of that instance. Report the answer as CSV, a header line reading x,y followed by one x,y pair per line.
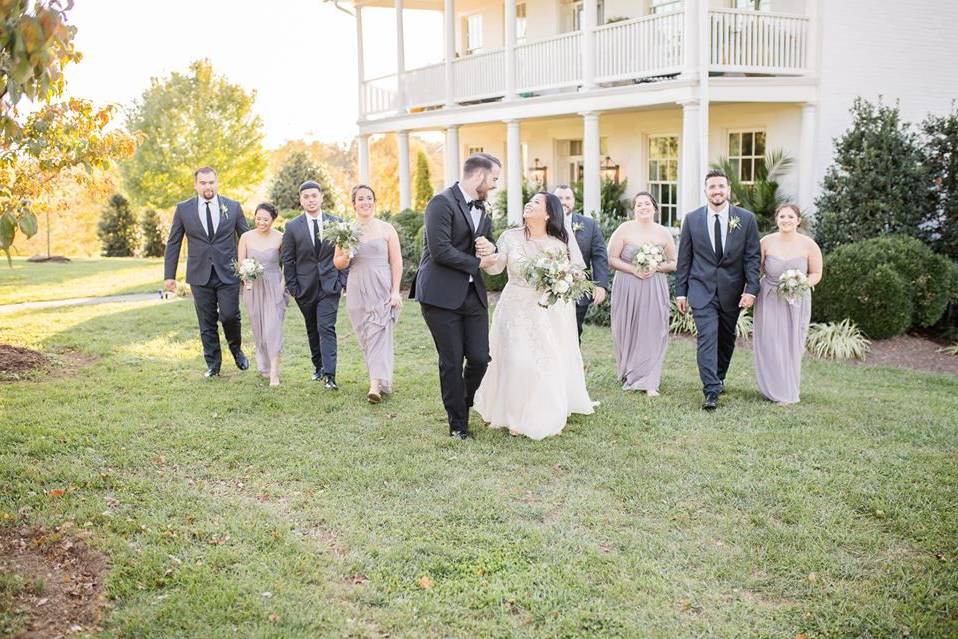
x,y
435,5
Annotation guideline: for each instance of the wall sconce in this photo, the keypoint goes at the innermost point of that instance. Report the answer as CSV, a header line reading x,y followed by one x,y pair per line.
x,y
539,173
610,172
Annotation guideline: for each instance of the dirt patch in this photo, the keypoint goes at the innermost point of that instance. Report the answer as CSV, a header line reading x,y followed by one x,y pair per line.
x,y
56,259
911,352
17,362
55,579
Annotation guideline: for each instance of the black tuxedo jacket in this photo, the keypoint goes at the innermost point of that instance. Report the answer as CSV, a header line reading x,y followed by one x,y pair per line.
x,y
203,254
307,274
588,236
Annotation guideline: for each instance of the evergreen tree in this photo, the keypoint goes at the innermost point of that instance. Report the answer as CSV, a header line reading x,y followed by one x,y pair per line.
x,y
878,184
152,240
117,228
298,168
423,192
941,150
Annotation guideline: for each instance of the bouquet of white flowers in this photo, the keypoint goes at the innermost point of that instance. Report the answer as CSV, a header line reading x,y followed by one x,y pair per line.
x,y
648,257
556,278
792,284
344,235
247,270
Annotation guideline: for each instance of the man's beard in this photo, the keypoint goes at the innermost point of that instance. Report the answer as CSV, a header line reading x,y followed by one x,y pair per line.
x,y
208,195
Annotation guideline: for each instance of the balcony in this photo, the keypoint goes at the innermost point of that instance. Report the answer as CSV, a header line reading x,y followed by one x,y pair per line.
x,y
630,51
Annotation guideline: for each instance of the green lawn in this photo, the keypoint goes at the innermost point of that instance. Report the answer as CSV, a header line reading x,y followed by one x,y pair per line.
x,y
222,503
82,277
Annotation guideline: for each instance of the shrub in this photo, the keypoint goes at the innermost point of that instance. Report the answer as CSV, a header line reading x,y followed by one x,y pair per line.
x,y
927,282
409,228
840,341
298,168
680,323
950,350
762,196
941,156
152,244
423,183
117,228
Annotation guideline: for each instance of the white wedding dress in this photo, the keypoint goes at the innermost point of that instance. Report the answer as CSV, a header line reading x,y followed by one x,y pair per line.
x,y
535,379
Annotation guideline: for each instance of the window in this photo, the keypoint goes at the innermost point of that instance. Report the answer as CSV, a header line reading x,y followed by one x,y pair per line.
x,y
664,176
572,14
473,28
665,6
521,23
753,5
746,153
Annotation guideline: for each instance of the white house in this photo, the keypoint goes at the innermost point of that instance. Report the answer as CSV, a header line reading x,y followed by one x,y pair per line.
x,y
656,90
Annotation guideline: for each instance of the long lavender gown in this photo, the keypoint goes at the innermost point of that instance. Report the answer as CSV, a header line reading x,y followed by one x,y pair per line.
x,y
779,333
266,307
640,326
367,302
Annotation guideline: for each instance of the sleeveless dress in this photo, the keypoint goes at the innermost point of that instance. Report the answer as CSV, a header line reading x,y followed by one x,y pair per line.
x,y
266,307
367,302
535,379
640,326
779,332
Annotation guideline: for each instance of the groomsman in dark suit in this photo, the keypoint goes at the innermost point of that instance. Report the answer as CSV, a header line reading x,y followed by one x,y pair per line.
x,y
717,276
312,279
588,236
212,224
449,287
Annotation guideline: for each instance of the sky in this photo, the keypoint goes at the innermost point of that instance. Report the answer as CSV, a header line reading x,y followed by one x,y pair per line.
x,y
298,55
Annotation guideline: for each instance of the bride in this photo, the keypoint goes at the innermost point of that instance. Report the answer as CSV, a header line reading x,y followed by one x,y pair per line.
x,y
535,380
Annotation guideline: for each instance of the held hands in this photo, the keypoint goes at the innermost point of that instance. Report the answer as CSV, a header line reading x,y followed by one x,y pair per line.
x,y
484,247
248,285
170,285
487,261
746,301
643,275
682,305
598,296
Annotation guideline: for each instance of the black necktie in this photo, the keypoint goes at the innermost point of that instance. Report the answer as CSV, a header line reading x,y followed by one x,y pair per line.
x,y
209,222
316,240
718,239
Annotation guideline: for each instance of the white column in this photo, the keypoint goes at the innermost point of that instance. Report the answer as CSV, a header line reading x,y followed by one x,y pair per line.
x,y
704,100
510,50
806,158
513,172
452,155
360,63
400,59
690,181
592,184
405,198
813,45
590,16
362,148
691,40
449,22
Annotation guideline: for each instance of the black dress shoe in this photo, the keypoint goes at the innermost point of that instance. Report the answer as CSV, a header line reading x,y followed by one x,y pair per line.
x,y
460,434
711,402
212,372
318,377
241,362
330,383
722,390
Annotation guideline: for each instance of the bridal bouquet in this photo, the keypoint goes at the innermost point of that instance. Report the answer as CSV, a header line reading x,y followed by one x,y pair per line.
x,y
648,257
248,269
792,284
554,276
344,234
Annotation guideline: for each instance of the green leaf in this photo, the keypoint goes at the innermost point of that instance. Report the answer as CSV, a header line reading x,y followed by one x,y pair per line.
x,y
28,223
8,230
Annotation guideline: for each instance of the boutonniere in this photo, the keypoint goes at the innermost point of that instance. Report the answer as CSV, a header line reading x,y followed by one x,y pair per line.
x,y
577,226
224,211
734,223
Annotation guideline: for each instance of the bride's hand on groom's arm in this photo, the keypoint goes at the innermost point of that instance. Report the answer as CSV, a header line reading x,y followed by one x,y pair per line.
x,y
487,262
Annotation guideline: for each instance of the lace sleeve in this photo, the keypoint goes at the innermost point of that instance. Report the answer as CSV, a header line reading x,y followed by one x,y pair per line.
x,y
503,246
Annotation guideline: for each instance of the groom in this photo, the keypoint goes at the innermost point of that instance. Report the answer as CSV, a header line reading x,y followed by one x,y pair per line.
x,y
312,279
717,275
211,224
449,287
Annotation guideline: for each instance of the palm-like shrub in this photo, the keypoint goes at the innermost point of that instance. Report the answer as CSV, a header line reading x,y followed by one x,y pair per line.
x,y
684,323
763,196
836,340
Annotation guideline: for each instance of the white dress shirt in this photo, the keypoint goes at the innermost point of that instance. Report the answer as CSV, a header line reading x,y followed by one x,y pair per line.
x,y
474,213
309,223
723,223
214,211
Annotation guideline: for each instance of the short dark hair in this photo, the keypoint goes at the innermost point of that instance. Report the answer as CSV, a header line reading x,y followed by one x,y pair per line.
x,y
563,186
310,184
358,188
479,161
716,173
203,169
269,208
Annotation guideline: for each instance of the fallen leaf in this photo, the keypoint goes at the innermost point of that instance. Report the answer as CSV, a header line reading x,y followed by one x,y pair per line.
x,y
425,582
58,492
273,617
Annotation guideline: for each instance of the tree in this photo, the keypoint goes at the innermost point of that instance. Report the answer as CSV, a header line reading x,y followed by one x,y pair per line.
x,y
152,244
298,168
941,151
762,197
878,184
423,191
190,120
117,228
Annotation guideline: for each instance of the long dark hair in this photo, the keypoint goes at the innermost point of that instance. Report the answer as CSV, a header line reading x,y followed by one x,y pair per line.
x,y
555,225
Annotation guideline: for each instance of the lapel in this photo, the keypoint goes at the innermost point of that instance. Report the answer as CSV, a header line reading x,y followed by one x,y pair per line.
x,y
732,237
704,214
577,234
220,202
307,232
460,200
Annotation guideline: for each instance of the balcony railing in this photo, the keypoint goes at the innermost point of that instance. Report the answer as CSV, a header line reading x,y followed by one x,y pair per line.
x,y
739,41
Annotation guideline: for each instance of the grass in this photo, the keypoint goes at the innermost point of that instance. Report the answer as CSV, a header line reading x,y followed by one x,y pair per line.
x,y
228,507
81,277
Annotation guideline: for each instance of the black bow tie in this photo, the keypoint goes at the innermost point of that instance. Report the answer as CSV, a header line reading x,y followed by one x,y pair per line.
x,y
478,204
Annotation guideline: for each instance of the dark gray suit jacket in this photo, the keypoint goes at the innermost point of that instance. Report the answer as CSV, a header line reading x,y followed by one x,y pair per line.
x,y
698,275
308,276
202,254
596,257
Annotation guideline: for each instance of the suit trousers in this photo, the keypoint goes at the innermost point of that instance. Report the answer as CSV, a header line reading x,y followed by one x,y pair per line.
x,y
715,344
580,312
217,301
320,315
460,333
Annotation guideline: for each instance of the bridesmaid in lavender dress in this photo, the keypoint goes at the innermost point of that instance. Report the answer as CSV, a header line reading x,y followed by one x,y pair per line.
x,y
640,299
781,325
372,290
265,297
